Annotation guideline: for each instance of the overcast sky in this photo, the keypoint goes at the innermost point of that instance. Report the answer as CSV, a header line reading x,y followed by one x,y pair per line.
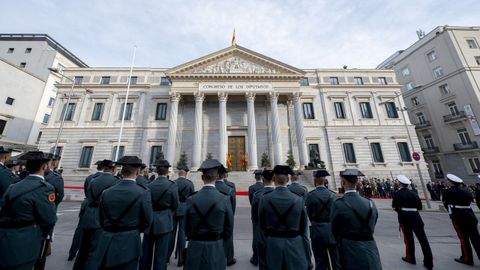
x,y
305,34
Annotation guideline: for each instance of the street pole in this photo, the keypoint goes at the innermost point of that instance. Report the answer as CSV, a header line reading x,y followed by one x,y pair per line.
x,y
60,130
125,104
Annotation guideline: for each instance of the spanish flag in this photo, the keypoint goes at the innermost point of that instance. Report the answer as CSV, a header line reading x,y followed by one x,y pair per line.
x,y
233,38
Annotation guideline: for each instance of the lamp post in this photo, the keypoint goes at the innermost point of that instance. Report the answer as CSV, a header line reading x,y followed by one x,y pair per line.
x,y
422,182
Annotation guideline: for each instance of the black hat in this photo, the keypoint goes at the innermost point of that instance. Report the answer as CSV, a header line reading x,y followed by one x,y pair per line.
x,y
106,163
35,155
320,173
130,160
11,163
351,172
267,174
222,169
210,164
258,172
183,168
99,162
4,150
282,169
144,166
162,163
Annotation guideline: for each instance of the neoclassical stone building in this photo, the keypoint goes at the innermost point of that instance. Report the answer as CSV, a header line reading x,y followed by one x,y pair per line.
x,y
235,105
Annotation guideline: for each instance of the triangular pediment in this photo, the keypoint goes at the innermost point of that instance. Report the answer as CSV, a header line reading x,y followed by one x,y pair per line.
x,y
235,61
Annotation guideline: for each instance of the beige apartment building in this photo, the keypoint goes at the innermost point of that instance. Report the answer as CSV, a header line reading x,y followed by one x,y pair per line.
x,y
440,78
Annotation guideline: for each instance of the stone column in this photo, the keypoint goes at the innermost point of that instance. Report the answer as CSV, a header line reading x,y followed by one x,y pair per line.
x,y
277,144
222,127
172,127
252,132
197,131
301,142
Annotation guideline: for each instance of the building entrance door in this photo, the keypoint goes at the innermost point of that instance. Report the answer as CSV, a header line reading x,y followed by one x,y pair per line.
x,y
237,157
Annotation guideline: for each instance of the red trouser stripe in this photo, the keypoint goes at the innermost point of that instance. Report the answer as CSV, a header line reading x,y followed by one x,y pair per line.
x,y
463,244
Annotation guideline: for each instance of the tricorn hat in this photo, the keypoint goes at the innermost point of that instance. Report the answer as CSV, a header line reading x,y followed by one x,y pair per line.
x,y
282,169
258,172
320,173
106,163
162,163
35,155
267,174
210,164
11,163
183,168
4,150
351,172
130,160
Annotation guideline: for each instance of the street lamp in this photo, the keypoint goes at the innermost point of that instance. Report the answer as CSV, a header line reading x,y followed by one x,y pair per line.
x,y
403,110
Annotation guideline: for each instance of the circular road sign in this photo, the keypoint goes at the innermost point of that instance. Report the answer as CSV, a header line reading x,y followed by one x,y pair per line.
x,y
416,156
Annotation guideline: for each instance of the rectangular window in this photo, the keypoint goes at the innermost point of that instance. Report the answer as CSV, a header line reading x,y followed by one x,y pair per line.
x,y
105,80
69,110
382,80
409,86
308,111
3,123
415,101
474,164
366,110
477,60
444,89
421,118
377,152
164,81
121,152
78,80
432,56
51,102
9,101
161,112
98,111
86,157
464,136
429,142
358,80
437,168
405,72
349,153
339,110
128,112
23,64
472,44
334,80
391,110
155,153
28,50
438,72
133,80
46,118
404,152
10,50
304,82
453,109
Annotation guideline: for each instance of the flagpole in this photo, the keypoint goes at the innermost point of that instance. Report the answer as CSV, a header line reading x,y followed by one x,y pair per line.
x,y
125,104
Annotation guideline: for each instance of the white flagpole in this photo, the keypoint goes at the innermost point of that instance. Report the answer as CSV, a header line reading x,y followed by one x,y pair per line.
x,y
125,104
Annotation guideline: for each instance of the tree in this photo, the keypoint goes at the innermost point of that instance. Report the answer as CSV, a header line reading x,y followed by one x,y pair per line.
x,y
290,160
209,156
183,160
265,163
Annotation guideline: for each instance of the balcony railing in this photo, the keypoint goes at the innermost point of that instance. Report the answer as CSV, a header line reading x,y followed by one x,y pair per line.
x,y
425,124
430,150
454,117
461,146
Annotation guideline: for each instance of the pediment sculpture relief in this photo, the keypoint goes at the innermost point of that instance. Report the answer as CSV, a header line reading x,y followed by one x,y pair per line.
x,y
235,65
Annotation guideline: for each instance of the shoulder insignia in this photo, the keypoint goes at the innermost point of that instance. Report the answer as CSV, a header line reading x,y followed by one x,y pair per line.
x,y
51,197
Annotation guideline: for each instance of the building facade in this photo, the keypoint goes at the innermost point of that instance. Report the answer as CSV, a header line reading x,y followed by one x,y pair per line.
x,y
29,56
237,106
440,76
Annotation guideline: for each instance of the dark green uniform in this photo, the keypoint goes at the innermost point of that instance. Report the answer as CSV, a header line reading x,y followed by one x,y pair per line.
x,y
298,189
227,190
156,238
259,236
283,218
208,221
56,180
142,180
185,190
28,216
319,202
251,191
353,220
125,211
6,179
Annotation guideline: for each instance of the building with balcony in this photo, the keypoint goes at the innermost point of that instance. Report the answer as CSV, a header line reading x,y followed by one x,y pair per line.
x,y
440,77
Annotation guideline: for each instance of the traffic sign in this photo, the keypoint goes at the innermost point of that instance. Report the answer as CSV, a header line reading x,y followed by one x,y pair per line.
x,y
416,156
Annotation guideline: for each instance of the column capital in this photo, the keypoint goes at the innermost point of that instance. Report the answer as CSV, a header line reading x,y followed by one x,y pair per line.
x,y
199,96
250,96
175,97
222,96
273,96
296,96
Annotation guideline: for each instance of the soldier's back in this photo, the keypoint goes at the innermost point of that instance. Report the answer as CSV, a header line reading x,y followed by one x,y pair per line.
x,y
56,180
6,179
298,189
164,194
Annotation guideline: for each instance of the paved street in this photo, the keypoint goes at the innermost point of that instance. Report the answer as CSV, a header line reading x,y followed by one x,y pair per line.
x,y
444,242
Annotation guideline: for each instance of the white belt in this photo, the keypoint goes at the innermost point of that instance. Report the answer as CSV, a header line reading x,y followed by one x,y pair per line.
x,y
409,209
460,206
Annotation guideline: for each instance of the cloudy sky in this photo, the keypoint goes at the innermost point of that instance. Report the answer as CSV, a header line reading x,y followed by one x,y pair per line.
x,y
305,34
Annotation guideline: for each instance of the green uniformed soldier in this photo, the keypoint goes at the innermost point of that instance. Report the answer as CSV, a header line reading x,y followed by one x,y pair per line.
x,y
296,187
125,210
208,221
458,202
283,218
6,176
261,238
319,203
251,191
89,222
185,190
226,187
54,178
141,179
28,216
14,167
156,238
353,220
